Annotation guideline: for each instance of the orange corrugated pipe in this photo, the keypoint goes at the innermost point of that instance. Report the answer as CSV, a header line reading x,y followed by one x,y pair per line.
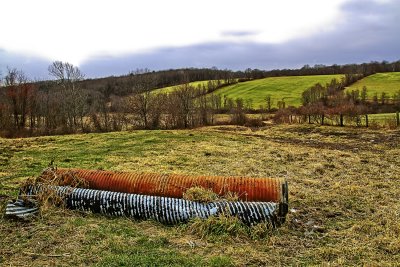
x,y
174,185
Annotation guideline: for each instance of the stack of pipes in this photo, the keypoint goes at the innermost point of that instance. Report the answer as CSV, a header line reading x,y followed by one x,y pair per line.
x,y
160,196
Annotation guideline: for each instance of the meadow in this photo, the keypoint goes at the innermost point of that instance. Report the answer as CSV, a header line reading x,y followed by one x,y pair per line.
x,y
169,89
378,83
343,185
288,89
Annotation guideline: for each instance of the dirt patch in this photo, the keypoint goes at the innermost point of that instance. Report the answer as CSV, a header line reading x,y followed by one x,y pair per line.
x,y
323,145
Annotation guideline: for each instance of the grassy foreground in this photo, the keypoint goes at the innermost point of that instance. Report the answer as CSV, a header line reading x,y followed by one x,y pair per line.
x,y
378,83
343,182
287,88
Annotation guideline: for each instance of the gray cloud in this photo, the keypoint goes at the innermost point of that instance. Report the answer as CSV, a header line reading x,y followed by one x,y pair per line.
x,y
368,31
35,67
238,33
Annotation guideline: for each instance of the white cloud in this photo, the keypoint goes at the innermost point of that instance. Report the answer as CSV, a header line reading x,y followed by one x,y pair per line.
x,y
74,30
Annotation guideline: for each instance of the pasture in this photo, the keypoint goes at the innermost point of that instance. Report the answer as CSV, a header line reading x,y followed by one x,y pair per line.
x,y
343,185
288,89
378,83
169,89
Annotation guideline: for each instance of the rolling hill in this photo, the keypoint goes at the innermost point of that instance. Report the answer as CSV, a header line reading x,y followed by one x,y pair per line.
x,y
169,89
287,88
377,83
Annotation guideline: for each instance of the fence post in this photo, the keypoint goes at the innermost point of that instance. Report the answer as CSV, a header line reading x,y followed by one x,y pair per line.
x,y
366,120
341,119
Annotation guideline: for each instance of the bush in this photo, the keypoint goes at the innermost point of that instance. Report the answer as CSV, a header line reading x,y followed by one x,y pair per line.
x,y
254,122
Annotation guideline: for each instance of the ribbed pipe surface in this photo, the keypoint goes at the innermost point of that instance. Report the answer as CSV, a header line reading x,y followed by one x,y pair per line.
x,y
21,208
162,209
174,185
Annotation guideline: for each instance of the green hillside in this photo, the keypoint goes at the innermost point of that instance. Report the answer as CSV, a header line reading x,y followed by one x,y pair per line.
x,y
378,83
171,88
287,88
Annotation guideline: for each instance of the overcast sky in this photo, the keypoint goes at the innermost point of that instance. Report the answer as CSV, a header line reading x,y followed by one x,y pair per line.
x,y
114,37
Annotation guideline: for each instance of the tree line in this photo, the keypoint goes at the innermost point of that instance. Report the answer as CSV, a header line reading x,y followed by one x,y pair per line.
x,y
70,103
332,101
64,105
132,82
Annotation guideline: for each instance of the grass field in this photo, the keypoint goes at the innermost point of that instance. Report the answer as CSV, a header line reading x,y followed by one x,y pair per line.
x,y
382,116
381,120
343,183
169,89
287,88
378,83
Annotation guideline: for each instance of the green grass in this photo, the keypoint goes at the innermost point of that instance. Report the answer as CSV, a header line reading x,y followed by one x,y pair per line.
x,y
169,89
343,184
382,116
381,120
378,83
287,88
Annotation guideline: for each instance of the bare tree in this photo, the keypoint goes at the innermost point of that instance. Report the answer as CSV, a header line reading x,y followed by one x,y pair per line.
x,y
269,102
140,105
238,115
66,73
20,93
364,95
216,105
281,104
185,95
384,98
74,104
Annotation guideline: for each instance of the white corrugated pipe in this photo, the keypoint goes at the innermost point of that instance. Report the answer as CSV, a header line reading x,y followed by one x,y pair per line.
x,y
163,209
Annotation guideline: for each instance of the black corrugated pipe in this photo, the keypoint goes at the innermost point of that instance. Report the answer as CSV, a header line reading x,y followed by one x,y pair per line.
x,y
21,208
163,209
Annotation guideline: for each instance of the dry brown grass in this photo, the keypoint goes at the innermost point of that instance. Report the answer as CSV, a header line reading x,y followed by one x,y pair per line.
x,y
223,225
47,197
200,194
206,195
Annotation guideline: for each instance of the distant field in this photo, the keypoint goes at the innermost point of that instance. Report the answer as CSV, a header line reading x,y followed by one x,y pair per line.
x,y
382,116
383,119
171,88
378,83
387,120
287,88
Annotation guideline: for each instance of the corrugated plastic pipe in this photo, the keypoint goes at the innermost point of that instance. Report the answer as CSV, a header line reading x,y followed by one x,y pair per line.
x,y
174,185
21,208
162,209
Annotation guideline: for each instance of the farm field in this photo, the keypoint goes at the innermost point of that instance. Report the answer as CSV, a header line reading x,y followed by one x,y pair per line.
x,y
169,89
382,116
287,88
343,185
378,83
385,120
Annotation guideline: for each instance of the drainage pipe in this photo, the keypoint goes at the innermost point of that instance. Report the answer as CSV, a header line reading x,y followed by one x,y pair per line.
x,y
174,185
162,209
